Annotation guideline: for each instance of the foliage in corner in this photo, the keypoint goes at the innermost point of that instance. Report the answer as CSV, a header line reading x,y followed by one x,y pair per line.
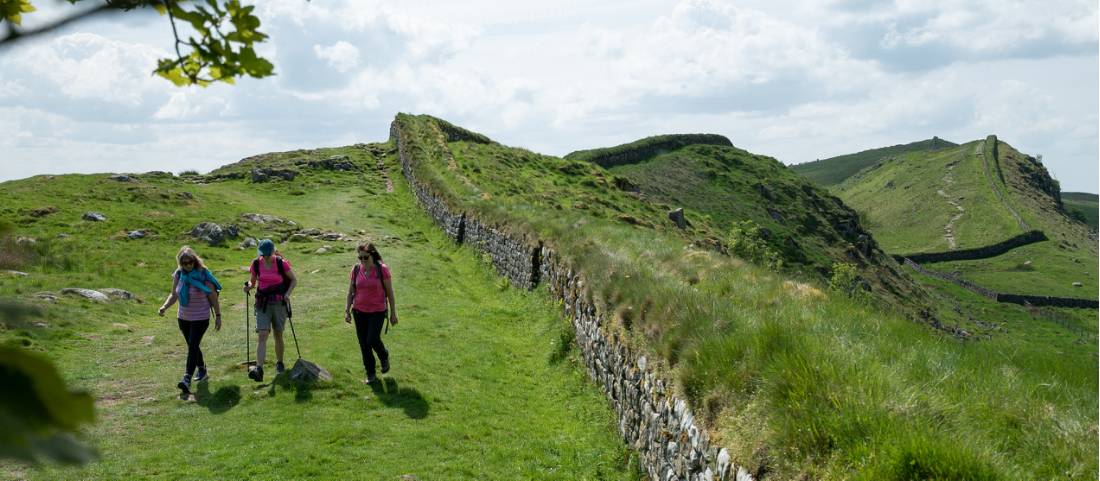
x,y
221,49
38,414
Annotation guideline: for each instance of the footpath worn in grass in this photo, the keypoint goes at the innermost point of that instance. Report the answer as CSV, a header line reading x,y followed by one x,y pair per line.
x,y
799,382
481,386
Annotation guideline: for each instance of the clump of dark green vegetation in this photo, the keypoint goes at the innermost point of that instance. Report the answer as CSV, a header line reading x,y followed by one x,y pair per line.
x,y
798,381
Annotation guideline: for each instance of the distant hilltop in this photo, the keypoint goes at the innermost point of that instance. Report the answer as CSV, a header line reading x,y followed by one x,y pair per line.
x,y
646,148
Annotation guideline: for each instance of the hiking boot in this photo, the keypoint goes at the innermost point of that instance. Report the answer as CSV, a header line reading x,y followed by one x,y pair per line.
x,y
256,374
185,384
279,368
386,365
201,375
371,379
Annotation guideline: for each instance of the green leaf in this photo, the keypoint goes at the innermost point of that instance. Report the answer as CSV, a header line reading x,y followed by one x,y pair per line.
x,y
12,10
38,413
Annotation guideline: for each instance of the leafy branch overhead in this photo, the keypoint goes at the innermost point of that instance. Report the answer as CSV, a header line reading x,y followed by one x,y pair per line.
x,y
221,48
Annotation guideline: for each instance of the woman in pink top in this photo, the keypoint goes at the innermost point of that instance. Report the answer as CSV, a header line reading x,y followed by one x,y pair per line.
x,y
275,281
197,291
369,292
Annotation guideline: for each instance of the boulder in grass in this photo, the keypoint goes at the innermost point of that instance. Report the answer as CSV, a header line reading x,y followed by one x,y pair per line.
x,y
214,234
89,294
44,211
115,293
249,242
306,372
94,217
122,178
137,234
677,216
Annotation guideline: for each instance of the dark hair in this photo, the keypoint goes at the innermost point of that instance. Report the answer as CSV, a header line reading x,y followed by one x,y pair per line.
x,y
373,251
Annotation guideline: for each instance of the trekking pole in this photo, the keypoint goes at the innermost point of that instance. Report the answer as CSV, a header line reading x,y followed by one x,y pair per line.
x,y
247,343
290,319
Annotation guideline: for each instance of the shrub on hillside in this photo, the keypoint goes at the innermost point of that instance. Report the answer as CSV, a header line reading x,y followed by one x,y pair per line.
x,y
747,241
845,280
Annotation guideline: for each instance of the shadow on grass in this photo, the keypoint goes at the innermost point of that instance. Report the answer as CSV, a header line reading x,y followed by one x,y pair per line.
x,y
303,391
220,401
409,399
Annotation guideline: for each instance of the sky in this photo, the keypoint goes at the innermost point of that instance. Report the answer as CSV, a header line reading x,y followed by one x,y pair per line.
x,y
795,80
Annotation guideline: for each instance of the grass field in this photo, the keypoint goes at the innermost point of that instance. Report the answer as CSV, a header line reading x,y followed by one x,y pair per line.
x,y
478,390
799,382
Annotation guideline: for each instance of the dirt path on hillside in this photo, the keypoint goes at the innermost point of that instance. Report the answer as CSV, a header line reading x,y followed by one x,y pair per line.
x,y
949,229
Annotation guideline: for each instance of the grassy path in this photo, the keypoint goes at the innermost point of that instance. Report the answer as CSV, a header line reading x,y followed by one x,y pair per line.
x,y
478,390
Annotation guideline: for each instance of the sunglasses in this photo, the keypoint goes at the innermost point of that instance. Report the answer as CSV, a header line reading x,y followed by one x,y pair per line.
x,y
186,262
364,258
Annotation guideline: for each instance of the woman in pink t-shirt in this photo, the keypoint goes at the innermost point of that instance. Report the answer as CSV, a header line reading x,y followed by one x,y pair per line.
x,y
369,292
274,280
197,291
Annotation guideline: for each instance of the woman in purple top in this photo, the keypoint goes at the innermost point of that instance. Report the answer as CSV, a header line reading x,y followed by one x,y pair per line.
x,y
197,291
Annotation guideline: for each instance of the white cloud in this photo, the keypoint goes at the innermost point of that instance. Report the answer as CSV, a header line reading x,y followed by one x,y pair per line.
x,y
89,66
794,80
341,55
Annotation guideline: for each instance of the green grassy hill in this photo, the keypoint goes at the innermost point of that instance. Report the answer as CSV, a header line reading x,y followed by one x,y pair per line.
x,y
467,353
1083,203
798,380
832,171
711,179
975,195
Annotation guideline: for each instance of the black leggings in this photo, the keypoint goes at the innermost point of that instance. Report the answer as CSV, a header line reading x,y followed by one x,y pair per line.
x,y
368,328
192,333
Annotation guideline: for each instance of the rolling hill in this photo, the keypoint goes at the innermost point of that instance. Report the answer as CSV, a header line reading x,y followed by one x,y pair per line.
x,y
796,378
1083,203
445,411
799,381
832,171
974,195
708,177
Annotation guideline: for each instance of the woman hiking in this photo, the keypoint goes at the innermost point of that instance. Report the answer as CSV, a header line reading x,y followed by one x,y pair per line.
x,y
197,291
369,292
275,281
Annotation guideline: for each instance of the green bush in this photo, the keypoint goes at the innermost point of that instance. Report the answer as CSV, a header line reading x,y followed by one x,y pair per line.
x,y
746,240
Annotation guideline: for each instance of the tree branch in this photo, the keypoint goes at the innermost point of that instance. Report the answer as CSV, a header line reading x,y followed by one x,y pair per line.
x,y
15,35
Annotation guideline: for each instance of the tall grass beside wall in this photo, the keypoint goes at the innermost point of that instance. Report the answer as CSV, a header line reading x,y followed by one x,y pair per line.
x,y
797,381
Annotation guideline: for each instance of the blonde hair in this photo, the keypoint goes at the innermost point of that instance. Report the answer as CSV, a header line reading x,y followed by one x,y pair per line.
x,y
186,252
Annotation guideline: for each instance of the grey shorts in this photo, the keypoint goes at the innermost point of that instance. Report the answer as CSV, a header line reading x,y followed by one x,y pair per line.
x,y
275,313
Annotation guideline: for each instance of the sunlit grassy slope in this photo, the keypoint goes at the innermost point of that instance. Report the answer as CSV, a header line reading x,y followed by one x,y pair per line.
x,y
481,388
907,203
832,171
800,382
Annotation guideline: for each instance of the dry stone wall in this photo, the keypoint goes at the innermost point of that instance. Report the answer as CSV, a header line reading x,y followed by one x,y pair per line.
x,y
1021,299
652,421
984,252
